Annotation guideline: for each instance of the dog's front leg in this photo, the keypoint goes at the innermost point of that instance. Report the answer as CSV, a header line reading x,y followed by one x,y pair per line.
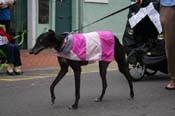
x,y
77,73
64,69
55,82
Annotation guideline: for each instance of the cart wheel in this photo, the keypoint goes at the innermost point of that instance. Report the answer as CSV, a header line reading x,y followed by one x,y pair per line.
x,y
150,72
136,68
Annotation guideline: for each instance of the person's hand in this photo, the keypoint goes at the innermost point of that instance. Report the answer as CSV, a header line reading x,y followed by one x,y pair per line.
x,y
6,4
143,3
11,3
14,2
139,1
2,6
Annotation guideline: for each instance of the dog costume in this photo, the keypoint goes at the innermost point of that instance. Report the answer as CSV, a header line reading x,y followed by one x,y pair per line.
x,y
94,46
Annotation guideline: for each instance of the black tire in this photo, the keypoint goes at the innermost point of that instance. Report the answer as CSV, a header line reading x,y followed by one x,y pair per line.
x,y
136,68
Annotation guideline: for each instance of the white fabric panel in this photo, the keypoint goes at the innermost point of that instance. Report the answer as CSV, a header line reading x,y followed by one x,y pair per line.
x,y
93,46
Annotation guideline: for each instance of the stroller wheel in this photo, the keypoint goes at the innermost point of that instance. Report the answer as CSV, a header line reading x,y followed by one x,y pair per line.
x,y
136,68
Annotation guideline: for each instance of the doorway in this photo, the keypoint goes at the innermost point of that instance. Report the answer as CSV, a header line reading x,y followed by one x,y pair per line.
x,y
63,16
44,16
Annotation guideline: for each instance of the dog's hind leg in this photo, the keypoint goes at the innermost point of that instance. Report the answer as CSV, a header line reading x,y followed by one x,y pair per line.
x,y
119,56
103,70
64,69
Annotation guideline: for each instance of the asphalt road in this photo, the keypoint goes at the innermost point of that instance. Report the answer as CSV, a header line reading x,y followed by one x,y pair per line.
x,y
31,97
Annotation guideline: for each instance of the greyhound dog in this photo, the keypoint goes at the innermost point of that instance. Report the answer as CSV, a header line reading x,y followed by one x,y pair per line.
x,y
51,40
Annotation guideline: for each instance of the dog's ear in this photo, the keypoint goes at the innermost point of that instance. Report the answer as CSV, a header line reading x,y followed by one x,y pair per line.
x,y
52,31
61,36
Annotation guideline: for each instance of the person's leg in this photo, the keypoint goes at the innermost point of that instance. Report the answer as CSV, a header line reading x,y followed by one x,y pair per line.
x,y
17,62
10,58
167,15
17,55
4,50
10,54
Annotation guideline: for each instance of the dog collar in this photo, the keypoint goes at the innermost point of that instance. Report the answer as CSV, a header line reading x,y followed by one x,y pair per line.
x,y
67,44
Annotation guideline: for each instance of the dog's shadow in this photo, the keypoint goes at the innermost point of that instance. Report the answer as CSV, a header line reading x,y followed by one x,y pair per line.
x,y
157,77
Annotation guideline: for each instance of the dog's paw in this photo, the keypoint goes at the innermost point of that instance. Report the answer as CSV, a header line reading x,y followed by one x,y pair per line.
x,y
53,101
97,99
73,107
130,98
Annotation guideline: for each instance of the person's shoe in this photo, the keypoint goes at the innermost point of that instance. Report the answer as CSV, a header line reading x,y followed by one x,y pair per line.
x,y
10,69
18,70
171,85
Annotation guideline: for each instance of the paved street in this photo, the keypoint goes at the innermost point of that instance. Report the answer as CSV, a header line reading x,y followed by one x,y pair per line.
x,y
29,95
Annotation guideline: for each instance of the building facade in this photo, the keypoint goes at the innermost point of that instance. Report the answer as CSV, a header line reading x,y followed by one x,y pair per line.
x,y
37,16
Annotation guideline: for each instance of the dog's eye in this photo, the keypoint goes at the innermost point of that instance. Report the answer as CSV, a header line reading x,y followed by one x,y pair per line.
x,y
40,40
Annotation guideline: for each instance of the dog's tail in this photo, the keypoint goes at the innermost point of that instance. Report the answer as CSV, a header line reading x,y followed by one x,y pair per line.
x,y
120,57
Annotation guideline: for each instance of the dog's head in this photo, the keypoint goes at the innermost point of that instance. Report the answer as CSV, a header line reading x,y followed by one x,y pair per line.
x,y
48,40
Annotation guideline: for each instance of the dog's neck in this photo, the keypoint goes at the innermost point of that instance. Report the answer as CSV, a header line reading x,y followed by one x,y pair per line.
x,y
61,40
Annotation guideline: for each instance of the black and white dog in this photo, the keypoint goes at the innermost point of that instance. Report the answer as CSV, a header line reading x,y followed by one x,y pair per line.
x,y
66,45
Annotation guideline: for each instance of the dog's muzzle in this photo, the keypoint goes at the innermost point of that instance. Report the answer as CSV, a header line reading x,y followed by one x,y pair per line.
x,y
36,50
31,51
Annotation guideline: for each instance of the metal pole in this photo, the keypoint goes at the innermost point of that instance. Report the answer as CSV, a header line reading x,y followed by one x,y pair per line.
x,y
80,11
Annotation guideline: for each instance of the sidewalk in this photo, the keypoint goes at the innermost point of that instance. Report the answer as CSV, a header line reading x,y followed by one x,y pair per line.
x,y
44,60
45,65
47,60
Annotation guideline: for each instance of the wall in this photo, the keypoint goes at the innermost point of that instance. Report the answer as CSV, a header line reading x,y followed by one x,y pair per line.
x,y
83,13
94,11
19,19
75,14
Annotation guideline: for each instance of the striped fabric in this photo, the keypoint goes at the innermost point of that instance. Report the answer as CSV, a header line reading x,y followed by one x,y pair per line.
x,y
94,46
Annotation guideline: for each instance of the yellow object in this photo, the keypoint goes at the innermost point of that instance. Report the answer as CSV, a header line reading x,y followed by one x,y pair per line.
x,y
3,27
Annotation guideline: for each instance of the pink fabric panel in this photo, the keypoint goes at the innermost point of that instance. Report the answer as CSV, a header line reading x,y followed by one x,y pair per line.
x,y
79,46
107,42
